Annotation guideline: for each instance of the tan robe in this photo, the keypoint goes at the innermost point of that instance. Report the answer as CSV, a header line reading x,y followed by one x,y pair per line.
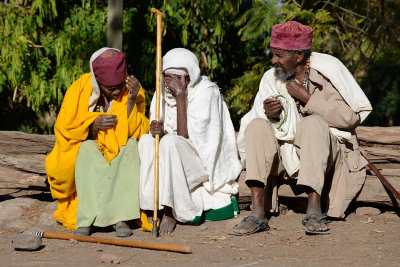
x,y
332,168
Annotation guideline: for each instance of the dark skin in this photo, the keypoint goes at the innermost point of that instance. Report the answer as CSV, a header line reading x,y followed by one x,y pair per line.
x,y
282,61
109,93
177,84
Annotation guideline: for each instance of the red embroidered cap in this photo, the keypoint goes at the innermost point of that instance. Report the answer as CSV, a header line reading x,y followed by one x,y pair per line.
x,y
109,68
291,35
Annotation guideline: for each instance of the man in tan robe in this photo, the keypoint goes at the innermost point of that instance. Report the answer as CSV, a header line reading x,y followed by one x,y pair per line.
x,y
302,126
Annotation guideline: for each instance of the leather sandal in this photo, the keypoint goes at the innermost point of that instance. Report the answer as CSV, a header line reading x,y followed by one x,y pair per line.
x,y
315,219
86,231
260,226
122,229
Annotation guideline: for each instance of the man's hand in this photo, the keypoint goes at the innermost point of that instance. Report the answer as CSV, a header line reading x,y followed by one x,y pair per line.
x,y
157,127
133,86
272,108
298,91
104,122
176,85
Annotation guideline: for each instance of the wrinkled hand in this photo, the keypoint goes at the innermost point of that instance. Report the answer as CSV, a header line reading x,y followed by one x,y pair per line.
x,y
104,122
175,85
272,107
133,86
298,91
157,127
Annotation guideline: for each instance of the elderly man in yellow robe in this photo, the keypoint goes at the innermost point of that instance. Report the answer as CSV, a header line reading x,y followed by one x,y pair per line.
x,y
95,158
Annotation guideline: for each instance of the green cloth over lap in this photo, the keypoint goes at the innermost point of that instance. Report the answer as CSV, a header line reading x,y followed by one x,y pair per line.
x,y
107,193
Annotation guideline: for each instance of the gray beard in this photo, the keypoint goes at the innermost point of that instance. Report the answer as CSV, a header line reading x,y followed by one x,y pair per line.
x,y
284,75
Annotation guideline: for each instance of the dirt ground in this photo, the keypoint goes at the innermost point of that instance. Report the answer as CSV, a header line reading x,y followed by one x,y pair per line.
x,y
359,240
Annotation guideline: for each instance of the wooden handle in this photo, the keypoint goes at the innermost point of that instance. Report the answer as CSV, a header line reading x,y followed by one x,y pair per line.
x,y
156,11
119,242
157,117
383,180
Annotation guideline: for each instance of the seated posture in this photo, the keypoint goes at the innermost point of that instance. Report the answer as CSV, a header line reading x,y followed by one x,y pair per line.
x,y
198,159
95,157
302,127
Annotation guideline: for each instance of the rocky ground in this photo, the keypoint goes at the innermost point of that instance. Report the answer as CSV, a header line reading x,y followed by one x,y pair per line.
x,y
370,235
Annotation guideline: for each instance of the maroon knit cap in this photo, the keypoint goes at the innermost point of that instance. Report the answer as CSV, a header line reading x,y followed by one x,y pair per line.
x,y
109,68
291,35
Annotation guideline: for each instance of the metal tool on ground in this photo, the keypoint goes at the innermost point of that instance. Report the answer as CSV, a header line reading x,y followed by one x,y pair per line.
x,y
157,117
32,241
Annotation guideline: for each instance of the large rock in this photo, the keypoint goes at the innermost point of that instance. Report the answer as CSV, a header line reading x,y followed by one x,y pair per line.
x,y
52,206
13,209
19,225
19,202
382,135
12,142
25,152
47,219
26,242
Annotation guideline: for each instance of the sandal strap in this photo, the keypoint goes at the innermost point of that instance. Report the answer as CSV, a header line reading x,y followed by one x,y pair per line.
x,y
262,223
319,218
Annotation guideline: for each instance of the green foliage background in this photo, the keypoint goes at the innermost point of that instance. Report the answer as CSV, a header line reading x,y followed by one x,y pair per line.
x,y
46,45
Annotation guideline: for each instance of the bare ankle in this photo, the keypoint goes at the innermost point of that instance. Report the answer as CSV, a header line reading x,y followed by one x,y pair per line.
x,y
314,203
257,199
259,214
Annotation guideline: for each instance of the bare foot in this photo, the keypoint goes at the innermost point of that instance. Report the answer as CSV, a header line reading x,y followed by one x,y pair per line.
x,y
149,215
316,224
250,225
168,222
315,221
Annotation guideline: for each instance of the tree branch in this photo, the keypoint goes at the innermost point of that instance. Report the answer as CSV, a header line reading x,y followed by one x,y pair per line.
x,y
341,41
349,11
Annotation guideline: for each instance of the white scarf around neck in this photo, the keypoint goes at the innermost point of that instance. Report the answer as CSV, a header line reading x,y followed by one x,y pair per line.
x,y
285,129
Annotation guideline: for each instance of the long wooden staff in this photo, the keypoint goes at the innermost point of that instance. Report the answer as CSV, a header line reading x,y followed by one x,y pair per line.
x,y
383,180
157,116
115,242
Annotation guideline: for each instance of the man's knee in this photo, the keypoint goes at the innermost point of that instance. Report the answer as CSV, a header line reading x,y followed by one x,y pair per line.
x,y
169,140
132,142
89,145
258,127
146,140
313,123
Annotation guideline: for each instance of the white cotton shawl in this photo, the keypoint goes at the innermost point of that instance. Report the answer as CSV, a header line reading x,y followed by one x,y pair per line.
x,y
208,121
285,129
94,97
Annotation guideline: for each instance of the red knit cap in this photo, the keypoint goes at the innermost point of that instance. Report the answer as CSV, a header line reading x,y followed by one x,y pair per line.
x,y
291,35
109,68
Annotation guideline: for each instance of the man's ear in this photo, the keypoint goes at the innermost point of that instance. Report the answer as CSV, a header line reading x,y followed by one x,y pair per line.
x,y
299,56
185,80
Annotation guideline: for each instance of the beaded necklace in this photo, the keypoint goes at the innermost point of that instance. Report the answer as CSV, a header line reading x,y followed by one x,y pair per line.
x,y
305,80
306,74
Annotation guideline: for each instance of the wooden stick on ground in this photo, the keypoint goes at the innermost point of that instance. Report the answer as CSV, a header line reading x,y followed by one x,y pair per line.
x,y
157,117
383,180
116,242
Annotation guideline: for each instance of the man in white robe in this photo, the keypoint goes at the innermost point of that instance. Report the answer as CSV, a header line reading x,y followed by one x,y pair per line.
x,y
198,159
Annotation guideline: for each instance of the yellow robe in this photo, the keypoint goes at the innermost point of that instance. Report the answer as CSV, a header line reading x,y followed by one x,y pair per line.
x,y
72,128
